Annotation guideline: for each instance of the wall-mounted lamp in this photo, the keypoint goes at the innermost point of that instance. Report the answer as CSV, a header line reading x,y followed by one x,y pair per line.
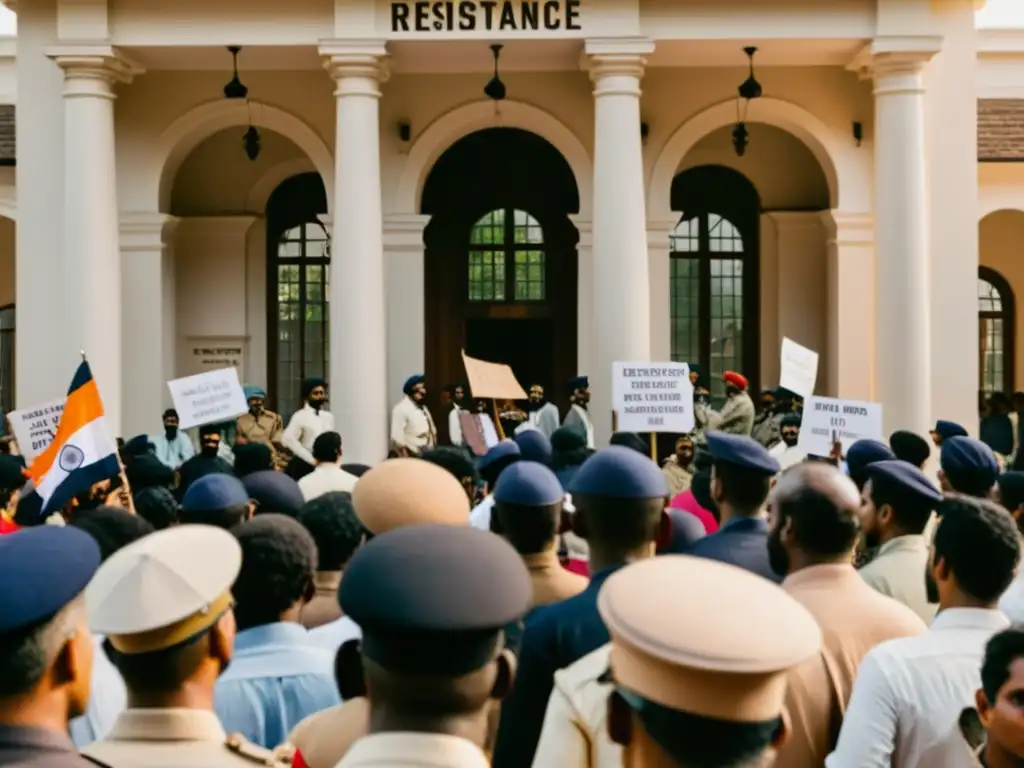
x,y
645,131
404,131
858,132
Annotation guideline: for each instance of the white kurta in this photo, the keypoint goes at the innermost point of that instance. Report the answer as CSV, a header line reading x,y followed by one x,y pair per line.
x,y
578,415
454,428
412,427
787,455
305,426
545,419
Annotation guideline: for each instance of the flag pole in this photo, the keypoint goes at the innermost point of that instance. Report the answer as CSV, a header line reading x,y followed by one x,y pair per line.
x,y
128,501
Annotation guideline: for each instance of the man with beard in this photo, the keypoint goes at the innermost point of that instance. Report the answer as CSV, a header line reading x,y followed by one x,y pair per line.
x,y
765,410
458,403
911,691
786,450
206,462
897,502
737,415
173,448
412,426
543,416
813,516
259,425
578,416
678,467
305,426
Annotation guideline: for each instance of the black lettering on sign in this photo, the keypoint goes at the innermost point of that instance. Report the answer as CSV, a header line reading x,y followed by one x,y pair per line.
x,y
488,15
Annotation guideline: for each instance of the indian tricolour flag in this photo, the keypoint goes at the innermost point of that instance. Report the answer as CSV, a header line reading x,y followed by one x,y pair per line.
x,y
82,453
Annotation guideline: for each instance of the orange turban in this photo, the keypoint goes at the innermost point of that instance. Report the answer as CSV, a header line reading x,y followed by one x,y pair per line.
x,y
738,380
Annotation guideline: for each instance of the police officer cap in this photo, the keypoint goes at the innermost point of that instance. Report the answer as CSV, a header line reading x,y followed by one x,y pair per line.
x,y
967,456
865,452
948,429
502,450
43,569
214,492
904,477
400,492
534,445
274,492
731,665
619,473
164,589
528,484
741,451
448,619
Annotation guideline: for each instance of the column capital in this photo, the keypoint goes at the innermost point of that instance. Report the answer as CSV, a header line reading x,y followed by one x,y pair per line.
x,y
403,232
842,227
145,231
612,56
895,55
363,59
100,63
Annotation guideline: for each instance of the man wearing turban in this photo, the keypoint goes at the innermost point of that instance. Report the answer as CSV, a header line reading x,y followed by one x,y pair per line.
x,y
737,415
306,425
412,426
259,425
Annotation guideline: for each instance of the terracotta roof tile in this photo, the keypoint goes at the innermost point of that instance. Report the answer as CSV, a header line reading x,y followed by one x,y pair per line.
x,y
1001,130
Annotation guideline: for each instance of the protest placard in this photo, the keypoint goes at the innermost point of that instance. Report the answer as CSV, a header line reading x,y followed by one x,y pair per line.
x,y
847,420
34,428
207,398
652,397
492,380
799,369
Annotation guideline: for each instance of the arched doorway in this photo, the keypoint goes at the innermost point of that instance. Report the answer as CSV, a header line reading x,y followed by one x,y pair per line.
x,y
713,271
298,288
501,274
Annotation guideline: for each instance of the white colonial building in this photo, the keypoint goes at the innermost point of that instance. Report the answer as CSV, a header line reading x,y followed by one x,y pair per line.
x,y
599,212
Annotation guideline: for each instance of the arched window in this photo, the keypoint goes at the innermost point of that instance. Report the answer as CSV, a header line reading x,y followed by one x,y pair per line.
x,y
506,258
298,309
707,296
995,332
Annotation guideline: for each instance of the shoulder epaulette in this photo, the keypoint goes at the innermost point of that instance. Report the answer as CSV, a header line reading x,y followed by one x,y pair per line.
x,y
253,752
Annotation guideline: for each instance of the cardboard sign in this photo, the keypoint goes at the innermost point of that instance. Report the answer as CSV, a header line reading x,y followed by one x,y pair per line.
x,y
847,420
493,381
34,428
652,397
799,370
208,398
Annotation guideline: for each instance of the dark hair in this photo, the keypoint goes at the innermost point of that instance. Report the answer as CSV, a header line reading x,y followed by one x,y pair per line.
x,y
27,652
820,528
493,471
745,490
111,527
1001,651
619,524
1011,489
332,522
529,530
252,457
327,447
455,461
978,540
630,440
700,487
278,563
157,506
161,671
702,460
910,447
348,670
170,412
910,511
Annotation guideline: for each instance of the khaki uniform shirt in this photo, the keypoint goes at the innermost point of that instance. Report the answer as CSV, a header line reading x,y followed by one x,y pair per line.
x,y
678,478
550,581
267,429
736,416
898,571
326,737
414,750
853,618
174,738
323,608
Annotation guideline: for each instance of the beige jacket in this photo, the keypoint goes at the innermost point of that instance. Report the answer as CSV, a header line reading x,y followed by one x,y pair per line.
x,y
898,571
414,750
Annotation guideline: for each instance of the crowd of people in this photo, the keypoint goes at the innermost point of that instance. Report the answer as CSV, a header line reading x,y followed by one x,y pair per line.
x,y
519,601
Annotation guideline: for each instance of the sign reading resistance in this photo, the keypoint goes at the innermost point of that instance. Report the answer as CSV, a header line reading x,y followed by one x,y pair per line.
x,y
486,15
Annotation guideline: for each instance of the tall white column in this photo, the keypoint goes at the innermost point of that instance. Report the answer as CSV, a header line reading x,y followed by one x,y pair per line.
x,y
359,394
404,273
621,308
584,293
659,255
92,257
902,306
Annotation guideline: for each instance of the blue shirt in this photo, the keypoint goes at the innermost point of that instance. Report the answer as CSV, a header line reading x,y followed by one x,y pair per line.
x,y
276,679
107,699
173,453
742,542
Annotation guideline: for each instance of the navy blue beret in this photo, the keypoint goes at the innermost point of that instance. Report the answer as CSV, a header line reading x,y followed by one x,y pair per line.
x,y
503,449
446,621
214,492
42,570
274,492
528,484
619,473
962,455
686,529
534,446
948,429
579,382
906,477
12,474
865,452
630,440
741,451
412,381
